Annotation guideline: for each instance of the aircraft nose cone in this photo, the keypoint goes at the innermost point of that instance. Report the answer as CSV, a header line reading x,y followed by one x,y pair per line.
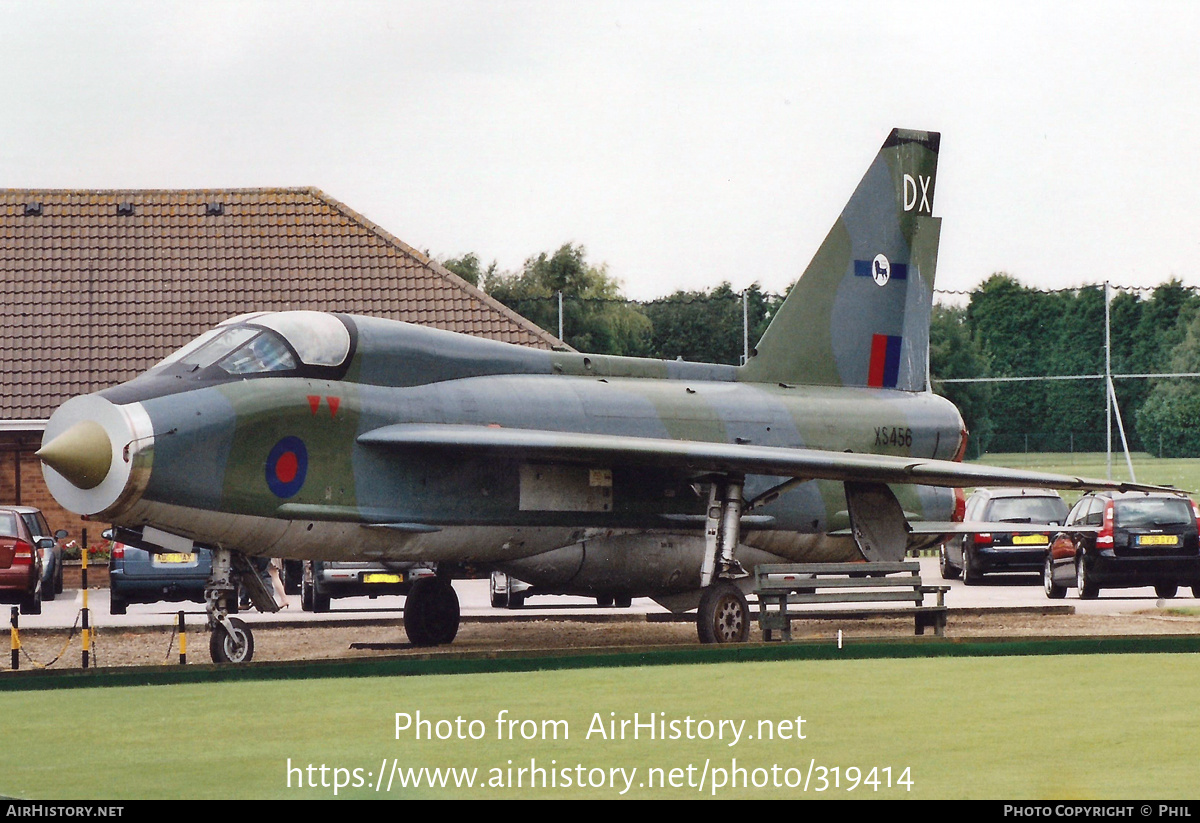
x,y
82,454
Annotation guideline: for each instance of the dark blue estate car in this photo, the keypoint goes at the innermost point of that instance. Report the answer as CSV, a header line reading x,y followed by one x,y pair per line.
x,y
137,576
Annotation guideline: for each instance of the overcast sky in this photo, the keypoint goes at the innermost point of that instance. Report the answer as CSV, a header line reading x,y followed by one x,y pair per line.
x,y
683,143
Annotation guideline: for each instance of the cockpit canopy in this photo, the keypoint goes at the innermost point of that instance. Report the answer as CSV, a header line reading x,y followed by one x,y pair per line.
x,y
266,342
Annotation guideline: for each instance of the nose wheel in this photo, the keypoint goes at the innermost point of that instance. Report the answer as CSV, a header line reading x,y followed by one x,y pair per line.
x,y
231,642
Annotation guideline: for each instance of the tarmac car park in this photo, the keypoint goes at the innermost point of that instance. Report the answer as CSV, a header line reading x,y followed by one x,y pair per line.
x,y
1124,540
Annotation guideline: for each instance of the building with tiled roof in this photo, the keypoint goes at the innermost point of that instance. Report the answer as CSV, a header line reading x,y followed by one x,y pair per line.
x,y
96,286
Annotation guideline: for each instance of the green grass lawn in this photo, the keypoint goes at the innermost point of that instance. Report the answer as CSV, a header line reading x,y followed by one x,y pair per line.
x,y
1183,473
1053,727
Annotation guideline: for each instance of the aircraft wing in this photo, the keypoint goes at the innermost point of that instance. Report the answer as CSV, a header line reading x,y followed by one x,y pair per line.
x,y
978,527
704,457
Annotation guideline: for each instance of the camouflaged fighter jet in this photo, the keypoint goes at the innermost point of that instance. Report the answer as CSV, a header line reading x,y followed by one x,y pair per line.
x,y
312,435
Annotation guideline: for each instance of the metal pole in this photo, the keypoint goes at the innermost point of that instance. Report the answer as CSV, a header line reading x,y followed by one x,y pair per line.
x,y
560,317
85,628
182,641
1107,385
1112,395
745,328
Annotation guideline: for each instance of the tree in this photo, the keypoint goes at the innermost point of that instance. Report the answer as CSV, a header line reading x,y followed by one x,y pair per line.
x,y
1169,421
467,267
707,326
954,353
596,316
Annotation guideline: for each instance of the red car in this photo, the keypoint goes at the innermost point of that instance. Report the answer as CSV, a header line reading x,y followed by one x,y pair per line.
x,y
20,564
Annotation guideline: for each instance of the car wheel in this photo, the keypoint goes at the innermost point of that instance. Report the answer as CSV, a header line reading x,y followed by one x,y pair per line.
x,y
724,614
623,602
48,591
1196,591
58,580
1087,589
306,595
499,598
32,604
117,605
604,600
320,602
293,576
235,648
949,570
970,576
1165,591
1053,590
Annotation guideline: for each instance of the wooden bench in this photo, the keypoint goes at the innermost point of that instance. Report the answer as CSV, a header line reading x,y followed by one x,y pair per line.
x,y
779,585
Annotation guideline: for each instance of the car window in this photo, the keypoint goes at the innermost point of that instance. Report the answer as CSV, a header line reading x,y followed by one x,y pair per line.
x,y
36,524
1078,512
1027,510
1152,512
8,525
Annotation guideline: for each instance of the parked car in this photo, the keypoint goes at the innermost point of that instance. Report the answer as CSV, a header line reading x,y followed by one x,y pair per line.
x,y
137,576
974,555
1123,540
50,553
324,581
20,563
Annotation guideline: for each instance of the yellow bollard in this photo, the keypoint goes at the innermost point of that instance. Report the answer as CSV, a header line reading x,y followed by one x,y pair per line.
x,y
16,640
182,641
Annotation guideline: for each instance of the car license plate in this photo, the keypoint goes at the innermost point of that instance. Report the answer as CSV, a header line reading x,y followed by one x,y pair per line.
x,y
383,578
1030,540
1157,540
175,557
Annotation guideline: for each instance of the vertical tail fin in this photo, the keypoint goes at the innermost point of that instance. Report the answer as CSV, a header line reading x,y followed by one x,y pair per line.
x,y
859,315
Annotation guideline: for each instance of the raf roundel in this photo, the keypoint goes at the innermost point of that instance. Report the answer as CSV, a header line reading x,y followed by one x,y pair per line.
x,y
287,466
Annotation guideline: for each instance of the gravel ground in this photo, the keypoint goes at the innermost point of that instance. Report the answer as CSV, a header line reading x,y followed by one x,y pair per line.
x,y
120,647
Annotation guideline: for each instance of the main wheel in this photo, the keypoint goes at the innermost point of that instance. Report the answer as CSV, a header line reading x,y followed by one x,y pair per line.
x,y
623,601
724,614
1166,591
1088,590
516,601
431,613
237,647
1053,590
604,600
949,570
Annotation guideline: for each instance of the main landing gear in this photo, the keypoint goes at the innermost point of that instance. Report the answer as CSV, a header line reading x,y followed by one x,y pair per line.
x,y
724,613
877,522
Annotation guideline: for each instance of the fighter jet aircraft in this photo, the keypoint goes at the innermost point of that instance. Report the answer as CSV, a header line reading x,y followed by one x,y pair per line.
x,y
305,434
